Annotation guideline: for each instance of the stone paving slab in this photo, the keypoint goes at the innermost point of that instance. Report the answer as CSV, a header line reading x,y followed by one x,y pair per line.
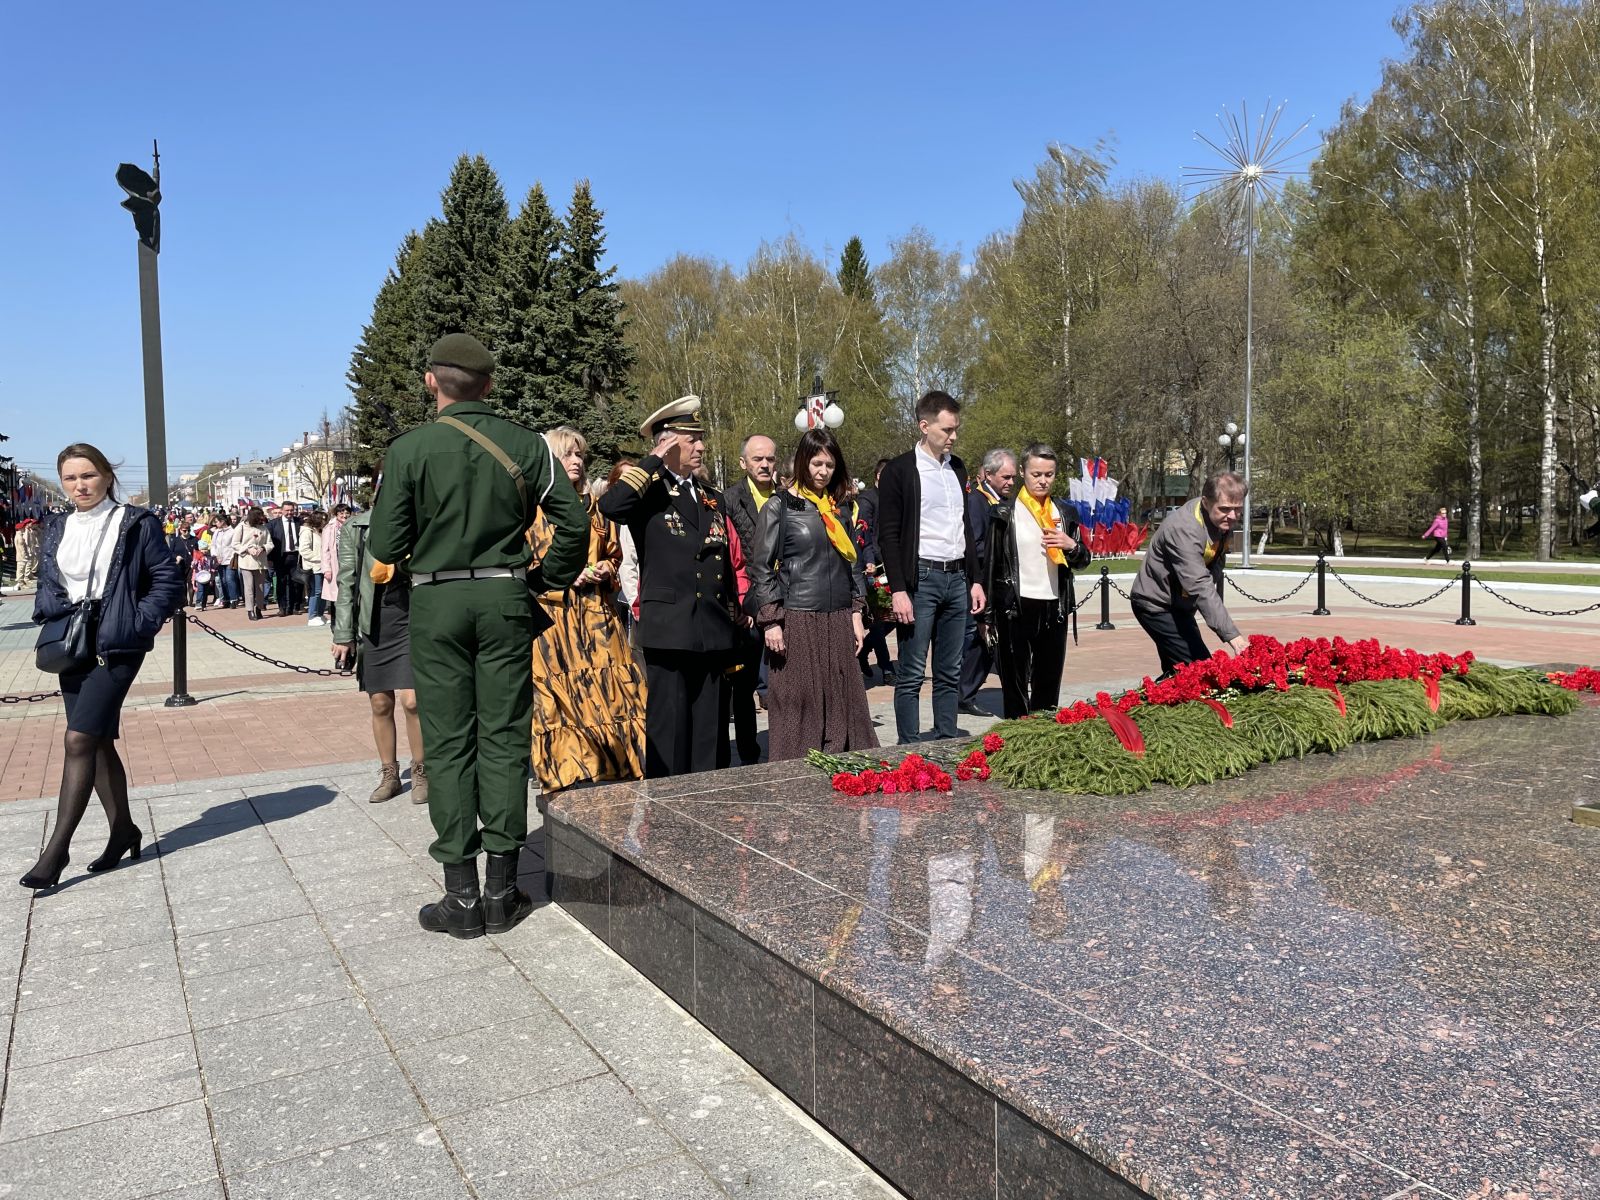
x,y
250,1010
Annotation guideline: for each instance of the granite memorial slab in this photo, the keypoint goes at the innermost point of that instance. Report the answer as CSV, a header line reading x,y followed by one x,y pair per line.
x,y
1360,975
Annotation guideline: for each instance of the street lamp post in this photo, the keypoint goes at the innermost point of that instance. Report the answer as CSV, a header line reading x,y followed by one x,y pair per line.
x,y
1254,164
1231,440
144,202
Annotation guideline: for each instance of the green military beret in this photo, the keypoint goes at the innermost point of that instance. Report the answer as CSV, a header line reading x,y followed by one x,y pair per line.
x,y
464,351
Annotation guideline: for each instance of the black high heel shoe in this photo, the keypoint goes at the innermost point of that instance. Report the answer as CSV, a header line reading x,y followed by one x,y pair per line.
x,y
38,878
131,843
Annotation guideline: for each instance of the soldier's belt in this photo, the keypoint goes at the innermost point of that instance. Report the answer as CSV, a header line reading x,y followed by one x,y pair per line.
x,y
418,577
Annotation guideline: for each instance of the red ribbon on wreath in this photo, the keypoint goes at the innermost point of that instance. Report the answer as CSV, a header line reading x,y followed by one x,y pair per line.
x,y
1223,714
1122,725
1430,685
1338,699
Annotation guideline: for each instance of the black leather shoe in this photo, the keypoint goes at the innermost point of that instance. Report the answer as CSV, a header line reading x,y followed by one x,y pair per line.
x,y
504,904
130,843
460,913
973,710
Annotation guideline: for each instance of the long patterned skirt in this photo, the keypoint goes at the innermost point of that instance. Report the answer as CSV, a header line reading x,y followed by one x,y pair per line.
x,y
815,697
588,695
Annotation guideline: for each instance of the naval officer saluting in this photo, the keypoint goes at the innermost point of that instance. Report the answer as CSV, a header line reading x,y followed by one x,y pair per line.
x,y
458,496
689,590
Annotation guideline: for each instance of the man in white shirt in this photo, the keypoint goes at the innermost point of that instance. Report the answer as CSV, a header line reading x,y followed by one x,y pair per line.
x,y
285,531
929,555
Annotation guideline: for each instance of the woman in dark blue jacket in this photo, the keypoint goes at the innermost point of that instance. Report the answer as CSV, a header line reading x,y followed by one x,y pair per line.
x,y
114,556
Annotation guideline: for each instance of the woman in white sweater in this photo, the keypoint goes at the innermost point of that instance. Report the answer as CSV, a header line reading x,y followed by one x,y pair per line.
x,y
311,565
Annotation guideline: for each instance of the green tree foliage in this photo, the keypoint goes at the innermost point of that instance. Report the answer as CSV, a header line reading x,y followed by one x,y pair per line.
x,y
594,353
1460,201
854,275
385,375
531,321
1343,422
461,276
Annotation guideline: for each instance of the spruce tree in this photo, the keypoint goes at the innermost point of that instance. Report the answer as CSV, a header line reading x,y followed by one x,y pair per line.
x,y
855,277
530,321
463,255
385,376
595,396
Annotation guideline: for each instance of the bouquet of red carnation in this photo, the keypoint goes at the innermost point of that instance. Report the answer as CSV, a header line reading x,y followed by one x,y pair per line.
x,y
858,775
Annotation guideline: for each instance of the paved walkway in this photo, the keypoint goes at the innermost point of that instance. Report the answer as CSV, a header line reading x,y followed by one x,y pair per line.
x,y
251,1011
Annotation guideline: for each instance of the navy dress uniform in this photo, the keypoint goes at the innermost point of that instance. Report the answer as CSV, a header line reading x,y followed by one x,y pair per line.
x,y
457,499
689,620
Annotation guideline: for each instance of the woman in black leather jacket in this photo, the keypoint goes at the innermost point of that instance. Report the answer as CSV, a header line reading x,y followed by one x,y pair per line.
x,y
1034,548
114,555
808,594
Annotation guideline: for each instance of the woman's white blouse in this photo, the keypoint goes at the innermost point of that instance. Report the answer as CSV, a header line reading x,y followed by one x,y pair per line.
x,y
76,554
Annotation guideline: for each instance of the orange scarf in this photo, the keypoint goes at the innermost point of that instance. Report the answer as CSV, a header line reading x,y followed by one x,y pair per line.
x,y
837,533
1044,513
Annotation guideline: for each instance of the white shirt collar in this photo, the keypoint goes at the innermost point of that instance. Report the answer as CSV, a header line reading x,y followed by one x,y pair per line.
x,y
95,513
943,460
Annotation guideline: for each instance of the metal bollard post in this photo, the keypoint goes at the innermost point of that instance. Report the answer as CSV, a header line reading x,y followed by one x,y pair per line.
x,y
1105,599
1321,610
1466,595
180,697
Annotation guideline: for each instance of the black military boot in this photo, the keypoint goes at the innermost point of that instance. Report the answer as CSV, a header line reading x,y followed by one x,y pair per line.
x,y
504,904
460,913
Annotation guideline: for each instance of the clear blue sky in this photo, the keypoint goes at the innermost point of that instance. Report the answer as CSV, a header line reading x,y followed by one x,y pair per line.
x,y
301,141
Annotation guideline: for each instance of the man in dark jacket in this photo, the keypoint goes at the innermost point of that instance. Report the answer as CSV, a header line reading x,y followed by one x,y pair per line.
x,y
743,501
932,564
285,558
689,622
995,481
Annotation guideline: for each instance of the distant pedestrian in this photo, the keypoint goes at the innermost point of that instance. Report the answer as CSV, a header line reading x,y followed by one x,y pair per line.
x,y
1439,531
878,623
253,547
113,558
27,548
330,558
222,538
285,532
310,547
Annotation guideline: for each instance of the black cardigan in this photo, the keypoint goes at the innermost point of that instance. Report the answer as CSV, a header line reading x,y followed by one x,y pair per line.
x,y
900,521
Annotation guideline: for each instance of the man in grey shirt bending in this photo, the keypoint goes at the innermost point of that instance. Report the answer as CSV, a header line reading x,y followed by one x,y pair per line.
x,y
1182,575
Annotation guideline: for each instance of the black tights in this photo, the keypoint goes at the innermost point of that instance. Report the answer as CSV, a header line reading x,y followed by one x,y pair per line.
x,y
92,765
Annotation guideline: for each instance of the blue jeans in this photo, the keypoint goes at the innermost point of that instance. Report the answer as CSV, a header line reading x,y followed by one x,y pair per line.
x,y
939,606
228,584
314,604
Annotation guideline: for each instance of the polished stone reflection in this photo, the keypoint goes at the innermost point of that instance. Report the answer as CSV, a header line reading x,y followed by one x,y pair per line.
x,y
1339,977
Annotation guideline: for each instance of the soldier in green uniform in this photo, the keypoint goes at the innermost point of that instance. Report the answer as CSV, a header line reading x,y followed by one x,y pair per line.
x,y
458,496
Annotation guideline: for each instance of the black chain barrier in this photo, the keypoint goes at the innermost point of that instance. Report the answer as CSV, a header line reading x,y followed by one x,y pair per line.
x,y
266,658
1344,583
1289,595
1538,612
33,699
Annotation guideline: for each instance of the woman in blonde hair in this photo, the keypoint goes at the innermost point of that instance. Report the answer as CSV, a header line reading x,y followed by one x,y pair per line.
x,y
588,694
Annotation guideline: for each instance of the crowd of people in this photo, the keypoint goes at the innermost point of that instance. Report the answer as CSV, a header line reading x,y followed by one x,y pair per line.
x,y
525,611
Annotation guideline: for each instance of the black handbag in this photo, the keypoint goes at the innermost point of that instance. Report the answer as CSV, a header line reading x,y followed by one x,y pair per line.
x,y
66,643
